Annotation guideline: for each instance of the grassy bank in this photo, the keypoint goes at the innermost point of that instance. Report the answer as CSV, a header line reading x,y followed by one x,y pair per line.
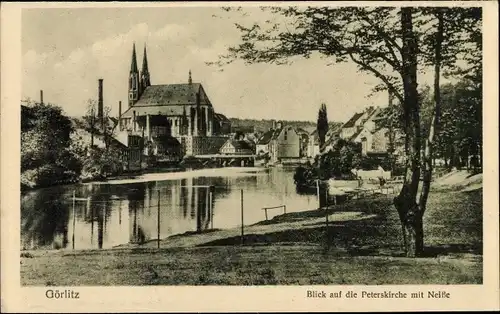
x,y
361,245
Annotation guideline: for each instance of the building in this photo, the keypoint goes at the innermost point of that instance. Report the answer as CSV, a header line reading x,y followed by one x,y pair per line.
x,y
221,125
236,147
357,122
369,129
263,143
284,144
161,112
304,139
313,144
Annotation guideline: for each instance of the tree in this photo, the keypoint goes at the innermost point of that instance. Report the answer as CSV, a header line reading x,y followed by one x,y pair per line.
x,y
90,119
322,126
46,157
97,126
385,42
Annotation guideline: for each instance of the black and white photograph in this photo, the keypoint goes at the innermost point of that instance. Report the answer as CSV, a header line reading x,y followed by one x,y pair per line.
x,y
264,144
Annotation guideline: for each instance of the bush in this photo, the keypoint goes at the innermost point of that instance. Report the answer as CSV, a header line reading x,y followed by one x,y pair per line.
x,y
47,175
102,163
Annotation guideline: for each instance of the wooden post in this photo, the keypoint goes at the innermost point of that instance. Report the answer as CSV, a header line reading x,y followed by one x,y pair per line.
x,y
210,200
265,210
326,221
158,217
326,208
284,209
317,193
74,219
207,200
242,228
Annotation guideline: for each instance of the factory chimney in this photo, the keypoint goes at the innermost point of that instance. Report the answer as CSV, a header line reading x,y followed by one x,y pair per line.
x,y
119,115
100,104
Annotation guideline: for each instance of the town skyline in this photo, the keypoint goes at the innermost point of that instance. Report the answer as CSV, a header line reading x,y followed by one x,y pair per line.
x,y
91,44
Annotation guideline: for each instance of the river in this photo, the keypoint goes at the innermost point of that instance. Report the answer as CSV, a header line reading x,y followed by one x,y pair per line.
x,y
107,214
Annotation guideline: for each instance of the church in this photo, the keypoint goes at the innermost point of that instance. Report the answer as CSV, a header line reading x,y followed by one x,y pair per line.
x,y
170,116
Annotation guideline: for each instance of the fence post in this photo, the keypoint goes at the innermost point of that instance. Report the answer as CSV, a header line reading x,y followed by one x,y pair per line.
x,y
317,194
158,217
284,209
242,228
265,210
74,219
326,221
210,200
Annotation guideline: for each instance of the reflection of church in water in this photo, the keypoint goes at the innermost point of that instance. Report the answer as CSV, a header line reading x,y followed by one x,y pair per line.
x,y
184,207
171,116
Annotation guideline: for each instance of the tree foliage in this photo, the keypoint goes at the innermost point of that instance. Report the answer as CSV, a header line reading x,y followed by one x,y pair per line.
x,y
392,44
45,146
322,125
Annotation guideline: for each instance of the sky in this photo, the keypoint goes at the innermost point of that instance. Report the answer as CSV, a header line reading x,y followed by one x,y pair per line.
x,y
66,51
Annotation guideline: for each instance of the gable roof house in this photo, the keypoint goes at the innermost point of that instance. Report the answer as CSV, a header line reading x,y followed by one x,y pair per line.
x,y
285,143
236,147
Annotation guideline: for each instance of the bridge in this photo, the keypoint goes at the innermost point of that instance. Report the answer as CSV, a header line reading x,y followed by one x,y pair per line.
x,y
229,160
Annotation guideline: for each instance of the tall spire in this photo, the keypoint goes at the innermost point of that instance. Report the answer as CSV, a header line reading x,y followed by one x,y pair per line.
x,y
190,81
133,66
145,79
134,82
145,68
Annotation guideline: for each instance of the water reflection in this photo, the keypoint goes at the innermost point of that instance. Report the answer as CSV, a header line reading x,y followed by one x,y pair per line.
x,y
106,215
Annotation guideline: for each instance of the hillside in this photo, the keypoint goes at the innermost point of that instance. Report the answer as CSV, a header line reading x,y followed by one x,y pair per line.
x,y
254,125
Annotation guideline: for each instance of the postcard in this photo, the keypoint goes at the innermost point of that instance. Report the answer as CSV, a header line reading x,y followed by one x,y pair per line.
x,y
249,156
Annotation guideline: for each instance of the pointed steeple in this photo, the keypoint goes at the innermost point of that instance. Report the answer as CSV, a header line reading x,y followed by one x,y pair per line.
x,y
145,68
134,83
190,81
145,78
133,66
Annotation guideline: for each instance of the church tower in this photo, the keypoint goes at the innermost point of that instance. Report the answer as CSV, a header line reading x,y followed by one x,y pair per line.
x,y
145,78
134,81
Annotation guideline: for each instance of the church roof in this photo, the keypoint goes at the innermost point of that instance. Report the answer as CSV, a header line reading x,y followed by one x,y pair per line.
x,y
172,94
168,99
172,110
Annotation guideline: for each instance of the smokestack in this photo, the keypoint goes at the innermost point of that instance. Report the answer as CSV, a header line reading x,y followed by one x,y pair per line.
x,y
119,115
100,105
391,97
41,97
274,124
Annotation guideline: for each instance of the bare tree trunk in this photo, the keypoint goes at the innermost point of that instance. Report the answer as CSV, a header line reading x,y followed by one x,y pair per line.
x,y
406,202
434,127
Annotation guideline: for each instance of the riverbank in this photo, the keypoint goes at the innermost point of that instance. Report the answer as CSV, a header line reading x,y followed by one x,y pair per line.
x,y
361,245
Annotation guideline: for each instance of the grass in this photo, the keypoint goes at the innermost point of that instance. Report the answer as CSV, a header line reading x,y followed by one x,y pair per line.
x,y
361,246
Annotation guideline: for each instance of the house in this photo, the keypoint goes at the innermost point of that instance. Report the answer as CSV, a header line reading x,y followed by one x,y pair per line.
x,y
284,144
351,126
304,139
313,144
357,121
222,125
313,147
263,142
236,147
